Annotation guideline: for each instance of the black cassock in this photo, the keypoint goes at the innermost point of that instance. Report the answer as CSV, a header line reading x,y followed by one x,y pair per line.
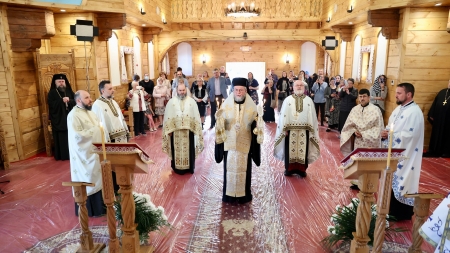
x,y
191,155
440,134
253,154
58,112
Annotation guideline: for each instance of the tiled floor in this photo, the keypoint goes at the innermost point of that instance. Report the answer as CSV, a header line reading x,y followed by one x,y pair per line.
x,y
35,206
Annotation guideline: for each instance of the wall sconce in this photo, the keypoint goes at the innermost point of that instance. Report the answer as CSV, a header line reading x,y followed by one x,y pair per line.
x,y
351,9
142,11
203,59
328,20
164,21
287,59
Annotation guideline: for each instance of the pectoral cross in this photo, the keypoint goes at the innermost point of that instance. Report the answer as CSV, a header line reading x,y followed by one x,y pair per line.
x,y
445,102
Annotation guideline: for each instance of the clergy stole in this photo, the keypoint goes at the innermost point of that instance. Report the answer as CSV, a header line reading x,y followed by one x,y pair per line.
x,y
236,173
237,144
181,149
297,146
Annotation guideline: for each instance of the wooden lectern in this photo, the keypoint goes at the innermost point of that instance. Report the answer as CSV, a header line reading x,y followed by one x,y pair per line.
x,y
366,165
125,159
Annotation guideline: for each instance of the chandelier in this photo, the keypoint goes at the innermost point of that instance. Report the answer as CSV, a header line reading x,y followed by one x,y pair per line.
x,y
242,11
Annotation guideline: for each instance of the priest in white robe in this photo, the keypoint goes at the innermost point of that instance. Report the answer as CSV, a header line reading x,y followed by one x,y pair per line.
x,y
239,134
182,131
436,230
407,120
84,129
363,127
110,115
297,137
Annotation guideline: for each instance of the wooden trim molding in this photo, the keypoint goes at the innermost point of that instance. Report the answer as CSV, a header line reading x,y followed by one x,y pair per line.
x,y
448,22
388,20
149,33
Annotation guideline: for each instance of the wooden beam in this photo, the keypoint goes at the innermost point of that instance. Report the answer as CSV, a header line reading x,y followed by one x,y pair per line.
x,y
149,33
345,32
106,22
28,26
387,19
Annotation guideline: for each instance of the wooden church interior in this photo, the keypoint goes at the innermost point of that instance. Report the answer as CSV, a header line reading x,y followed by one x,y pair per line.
x,y
291,213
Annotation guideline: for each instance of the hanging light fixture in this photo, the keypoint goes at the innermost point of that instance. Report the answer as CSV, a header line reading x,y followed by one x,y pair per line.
x,y
242,11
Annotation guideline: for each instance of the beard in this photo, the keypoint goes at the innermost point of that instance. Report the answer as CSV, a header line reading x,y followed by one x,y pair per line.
x,y
62,88
86,106
110,97
399,102
299,92
238,99
182,96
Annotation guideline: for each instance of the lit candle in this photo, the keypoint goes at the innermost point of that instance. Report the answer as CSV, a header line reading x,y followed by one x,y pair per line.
x,y
391,136
103,141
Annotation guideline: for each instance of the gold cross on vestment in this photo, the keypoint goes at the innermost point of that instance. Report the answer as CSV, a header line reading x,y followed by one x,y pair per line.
x,y
445,102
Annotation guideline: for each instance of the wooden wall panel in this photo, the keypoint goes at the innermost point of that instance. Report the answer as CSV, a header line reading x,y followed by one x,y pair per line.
x,y
220,52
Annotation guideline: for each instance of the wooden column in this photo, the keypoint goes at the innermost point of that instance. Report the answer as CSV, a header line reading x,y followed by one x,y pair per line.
x,y
108,199
368,184
79,193
3,151
421,210
384,198
130,238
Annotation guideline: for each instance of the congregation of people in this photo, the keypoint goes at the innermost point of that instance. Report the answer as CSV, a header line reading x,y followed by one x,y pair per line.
x,y
239,108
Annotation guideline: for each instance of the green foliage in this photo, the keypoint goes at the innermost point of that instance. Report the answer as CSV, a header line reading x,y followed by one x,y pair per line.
x,y
344,225
148,217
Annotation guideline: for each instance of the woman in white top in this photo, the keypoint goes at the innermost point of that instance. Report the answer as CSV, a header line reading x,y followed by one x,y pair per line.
x,y
161,93
137,97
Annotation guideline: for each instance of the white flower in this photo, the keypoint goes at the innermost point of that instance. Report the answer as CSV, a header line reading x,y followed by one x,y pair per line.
x,y
333,217
387,216
387,223
355,200
330,229
161,208
152,206
338,207
147,198
164,217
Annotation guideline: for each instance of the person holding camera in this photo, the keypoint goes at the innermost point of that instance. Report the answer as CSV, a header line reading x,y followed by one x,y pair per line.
x,y
318,95
283,89
348,96
137,97
378,92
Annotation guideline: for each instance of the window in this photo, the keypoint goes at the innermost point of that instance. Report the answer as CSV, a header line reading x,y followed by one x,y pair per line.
x,y
137,67
308,57
151,60
114,60
356,55
184,51
342,58
380,66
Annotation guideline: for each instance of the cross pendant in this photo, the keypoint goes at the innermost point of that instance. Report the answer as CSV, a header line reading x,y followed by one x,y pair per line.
x,y
445,102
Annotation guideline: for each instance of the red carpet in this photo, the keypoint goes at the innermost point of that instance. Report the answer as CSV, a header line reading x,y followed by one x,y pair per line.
x,y
287,213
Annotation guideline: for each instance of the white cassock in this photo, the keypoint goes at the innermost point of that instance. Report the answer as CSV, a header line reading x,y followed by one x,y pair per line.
x,y
436,230
114,125
408,134
366,120
84,129
297,115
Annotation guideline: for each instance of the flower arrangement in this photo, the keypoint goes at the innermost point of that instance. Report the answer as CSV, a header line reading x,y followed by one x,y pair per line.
x,y
148,217
344,224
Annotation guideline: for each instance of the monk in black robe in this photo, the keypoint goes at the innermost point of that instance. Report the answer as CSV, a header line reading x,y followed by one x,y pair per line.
x,y
439,117
60,101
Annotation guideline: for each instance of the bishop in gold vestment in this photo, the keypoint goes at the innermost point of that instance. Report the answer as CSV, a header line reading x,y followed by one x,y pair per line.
x,y
239,133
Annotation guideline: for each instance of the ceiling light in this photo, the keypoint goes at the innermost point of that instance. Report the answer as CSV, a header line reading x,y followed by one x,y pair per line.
x,y
350,23
438,4
143,24
62,10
